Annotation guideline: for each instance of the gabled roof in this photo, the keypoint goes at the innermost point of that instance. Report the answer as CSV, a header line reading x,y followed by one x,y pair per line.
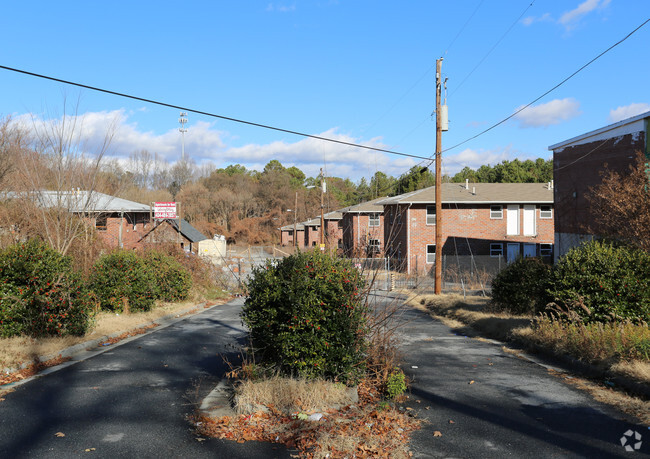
x,y
365,207
299,227
621,128
479,193
187,230
85,201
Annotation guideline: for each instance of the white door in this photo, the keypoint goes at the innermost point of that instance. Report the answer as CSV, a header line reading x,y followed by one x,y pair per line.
x,y
530,250
512,220
529,220
513,252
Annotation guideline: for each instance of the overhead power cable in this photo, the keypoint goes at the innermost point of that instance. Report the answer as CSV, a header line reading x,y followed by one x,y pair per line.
x,y
212,115
491,49
550,90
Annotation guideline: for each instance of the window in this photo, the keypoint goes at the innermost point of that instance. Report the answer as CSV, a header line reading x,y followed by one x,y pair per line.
x,y
431,215
373,219
340,224
545,211
374,246
431,253
496,250
546,250
100,222
496,212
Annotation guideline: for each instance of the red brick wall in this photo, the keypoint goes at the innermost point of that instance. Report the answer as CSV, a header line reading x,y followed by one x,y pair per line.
x,y
472,228
357,232
577,168
134,228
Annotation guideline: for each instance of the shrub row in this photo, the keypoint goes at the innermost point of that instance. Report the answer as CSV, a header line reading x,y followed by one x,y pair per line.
x,y
42,295
599,281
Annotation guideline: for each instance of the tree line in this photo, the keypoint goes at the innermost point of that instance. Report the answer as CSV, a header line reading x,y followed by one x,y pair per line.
x,y
243,204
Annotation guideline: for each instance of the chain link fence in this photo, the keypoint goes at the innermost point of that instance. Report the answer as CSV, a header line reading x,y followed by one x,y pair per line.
x,y
460,274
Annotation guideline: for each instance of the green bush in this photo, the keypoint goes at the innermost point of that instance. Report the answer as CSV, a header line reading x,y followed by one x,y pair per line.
x,y
41,295
306,316
396,383
520,288
173,280
123,275
601,281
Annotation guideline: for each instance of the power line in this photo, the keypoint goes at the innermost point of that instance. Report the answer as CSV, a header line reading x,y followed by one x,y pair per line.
x,y
492,49
463,28
550,90
213,115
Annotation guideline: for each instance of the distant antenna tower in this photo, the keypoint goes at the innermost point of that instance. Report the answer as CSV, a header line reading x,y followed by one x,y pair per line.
x,y
182,130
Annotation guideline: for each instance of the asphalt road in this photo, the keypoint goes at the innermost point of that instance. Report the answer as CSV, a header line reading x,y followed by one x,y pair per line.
x,y
132,399
501,405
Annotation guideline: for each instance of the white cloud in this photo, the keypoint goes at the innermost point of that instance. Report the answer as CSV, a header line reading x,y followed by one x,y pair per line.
x,y
570,18
280,8
530,20
553,112
204,144
628,111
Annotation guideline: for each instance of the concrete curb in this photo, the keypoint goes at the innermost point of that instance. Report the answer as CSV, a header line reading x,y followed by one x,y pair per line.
x,y
91,347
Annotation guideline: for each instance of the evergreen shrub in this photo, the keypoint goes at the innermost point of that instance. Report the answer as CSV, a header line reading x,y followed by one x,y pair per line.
x,y
173,280
602,281
124,275
307,317
40,293
520,288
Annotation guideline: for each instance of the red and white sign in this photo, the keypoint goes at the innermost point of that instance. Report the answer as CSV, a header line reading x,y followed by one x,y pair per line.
x,y
162,210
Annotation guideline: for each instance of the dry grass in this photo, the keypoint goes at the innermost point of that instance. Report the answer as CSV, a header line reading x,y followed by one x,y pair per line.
x,y
291,395
471,311
23,350
352,430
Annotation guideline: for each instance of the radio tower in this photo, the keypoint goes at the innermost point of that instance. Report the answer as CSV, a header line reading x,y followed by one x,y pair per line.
x,y
182,130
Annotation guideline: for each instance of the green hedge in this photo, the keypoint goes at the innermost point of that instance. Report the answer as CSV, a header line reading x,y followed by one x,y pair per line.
x,y
173,280
602,281
520,288
123,275
306,316
41,295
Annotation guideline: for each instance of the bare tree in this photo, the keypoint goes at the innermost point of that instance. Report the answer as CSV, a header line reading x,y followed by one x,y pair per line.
x,y
621,204
61,172
11,142
141,165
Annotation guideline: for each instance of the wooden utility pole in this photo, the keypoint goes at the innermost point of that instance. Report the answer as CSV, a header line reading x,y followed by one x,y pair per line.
x,y
438,266
295,217
322,211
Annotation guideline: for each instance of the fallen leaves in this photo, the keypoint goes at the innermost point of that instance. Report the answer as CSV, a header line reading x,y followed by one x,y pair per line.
x,y
360,430
31,370
437,433
59,434
137,331
471,382
88,450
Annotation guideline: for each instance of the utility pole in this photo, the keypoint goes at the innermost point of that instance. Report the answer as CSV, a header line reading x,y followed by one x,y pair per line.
x,y
438,266
295,216
322,211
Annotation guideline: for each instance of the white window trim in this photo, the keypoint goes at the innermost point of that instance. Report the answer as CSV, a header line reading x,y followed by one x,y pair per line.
x,y
499,212
549,213
433,215
371,220
513,217
427,254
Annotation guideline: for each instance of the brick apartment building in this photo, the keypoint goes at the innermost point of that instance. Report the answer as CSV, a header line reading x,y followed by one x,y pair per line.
x,y
577,165
287,236
491,219
333,231
363,229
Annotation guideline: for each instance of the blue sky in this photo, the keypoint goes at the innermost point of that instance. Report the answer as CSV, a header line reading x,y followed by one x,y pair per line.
x,y
357,71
